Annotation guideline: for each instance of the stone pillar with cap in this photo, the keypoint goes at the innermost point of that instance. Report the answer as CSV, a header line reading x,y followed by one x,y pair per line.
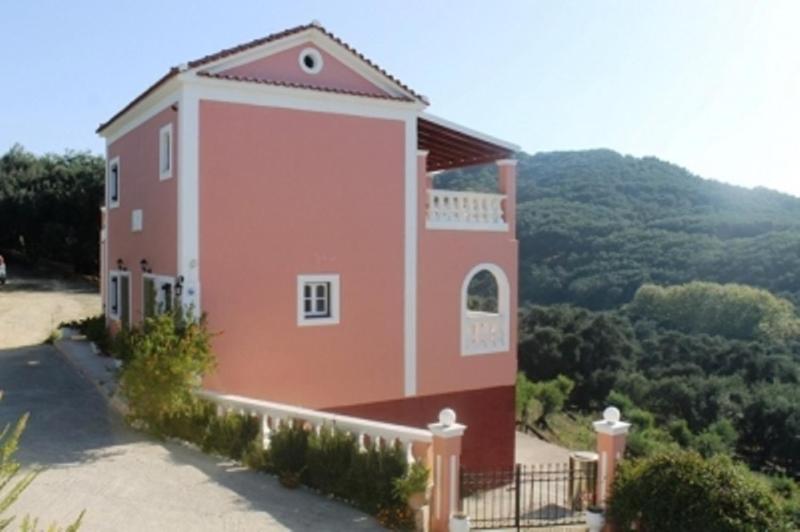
x,y
612,434
446,466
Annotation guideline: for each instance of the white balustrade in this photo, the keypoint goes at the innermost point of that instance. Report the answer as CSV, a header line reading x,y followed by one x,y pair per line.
x,y
469,211
484,332
272,414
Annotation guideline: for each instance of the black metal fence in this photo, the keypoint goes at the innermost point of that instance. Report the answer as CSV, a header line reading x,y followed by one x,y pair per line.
x,y
529,496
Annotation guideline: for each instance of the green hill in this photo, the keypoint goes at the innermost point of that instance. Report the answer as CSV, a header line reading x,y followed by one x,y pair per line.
x,y
595,225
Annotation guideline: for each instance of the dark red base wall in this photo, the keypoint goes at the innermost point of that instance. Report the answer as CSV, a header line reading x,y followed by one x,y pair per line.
x,y
488,414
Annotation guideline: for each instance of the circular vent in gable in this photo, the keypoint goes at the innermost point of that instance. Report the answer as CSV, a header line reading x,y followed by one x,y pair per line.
x,y
310,60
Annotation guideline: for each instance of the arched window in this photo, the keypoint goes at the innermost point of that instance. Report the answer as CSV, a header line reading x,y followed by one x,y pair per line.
x,y
485,309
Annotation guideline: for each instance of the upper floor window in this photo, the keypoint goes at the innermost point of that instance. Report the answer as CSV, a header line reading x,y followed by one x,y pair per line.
x,y
113,183
165,152
485,311
318,299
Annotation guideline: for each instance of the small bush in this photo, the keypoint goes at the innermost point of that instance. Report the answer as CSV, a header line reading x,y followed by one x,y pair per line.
x,y
191,424
329,457
230,435
168,357
287,450
682,491
371,478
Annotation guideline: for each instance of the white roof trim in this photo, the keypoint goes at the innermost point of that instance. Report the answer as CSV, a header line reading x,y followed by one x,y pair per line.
x,y
467,131
317,38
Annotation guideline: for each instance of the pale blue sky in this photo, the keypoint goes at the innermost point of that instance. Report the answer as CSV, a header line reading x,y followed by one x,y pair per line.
x,y
711,85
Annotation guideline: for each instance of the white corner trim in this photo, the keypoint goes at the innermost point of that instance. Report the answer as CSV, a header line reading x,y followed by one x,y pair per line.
x,y
301,99
334,296
166,151
484,333
189,198
469,132
410,265
112,204
454,459
506,162
438,486
315,56
143,111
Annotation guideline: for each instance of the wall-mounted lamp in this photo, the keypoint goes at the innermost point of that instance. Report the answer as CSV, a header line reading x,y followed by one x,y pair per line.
x,y
121,265
179,285
145,266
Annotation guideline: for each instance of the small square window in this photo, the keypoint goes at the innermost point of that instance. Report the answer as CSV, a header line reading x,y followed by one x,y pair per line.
x,y
318,299
165,151
136,220
113,183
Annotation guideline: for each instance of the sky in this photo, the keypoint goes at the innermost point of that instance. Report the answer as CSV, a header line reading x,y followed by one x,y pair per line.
x,y
711,85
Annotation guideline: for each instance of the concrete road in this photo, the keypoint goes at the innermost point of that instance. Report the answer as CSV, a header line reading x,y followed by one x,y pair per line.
x,y
128,482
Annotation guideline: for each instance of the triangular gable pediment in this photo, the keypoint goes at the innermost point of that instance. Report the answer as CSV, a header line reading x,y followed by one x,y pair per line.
x,y
284,59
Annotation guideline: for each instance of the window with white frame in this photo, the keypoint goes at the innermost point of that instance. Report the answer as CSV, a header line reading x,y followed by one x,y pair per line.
x,y
113,183
318,299
119,296
165,151
158,294
136,220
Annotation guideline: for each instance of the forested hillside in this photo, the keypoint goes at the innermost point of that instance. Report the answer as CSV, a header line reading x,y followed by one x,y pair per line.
x,y
593,226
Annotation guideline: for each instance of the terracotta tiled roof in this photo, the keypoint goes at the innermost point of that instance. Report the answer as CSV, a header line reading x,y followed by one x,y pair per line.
x,y
258,42
293,85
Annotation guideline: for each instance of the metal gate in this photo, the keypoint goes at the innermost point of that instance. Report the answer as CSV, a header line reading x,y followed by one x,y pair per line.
x,y
529,496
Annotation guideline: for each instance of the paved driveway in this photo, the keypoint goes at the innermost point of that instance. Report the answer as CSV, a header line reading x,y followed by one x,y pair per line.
x,y
126,481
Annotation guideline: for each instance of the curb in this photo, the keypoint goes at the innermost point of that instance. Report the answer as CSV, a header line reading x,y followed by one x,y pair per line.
x,y
113,399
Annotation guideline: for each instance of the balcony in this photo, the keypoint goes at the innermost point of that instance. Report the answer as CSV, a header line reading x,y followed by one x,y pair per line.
x,y
484,332
465,211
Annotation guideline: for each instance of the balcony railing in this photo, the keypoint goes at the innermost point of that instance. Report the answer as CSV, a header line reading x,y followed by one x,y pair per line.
x,y
469,211
484,332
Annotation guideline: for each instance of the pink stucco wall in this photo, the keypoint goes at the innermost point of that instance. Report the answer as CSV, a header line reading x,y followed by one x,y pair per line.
x,y
283,193
445,259
284,66
141,188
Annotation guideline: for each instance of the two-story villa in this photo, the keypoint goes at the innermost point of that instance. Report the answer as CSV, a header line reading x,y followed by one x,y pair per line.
x,y
284,187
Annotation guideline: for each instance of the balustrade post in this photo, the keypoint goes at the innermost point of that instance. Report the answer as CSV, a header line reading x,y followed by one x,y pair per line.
x,y
447,435
611,438
507,183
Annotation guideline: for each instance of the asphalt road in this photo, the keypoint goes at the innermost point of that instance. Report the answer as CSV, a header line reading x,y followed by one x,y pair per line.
x,y
128,482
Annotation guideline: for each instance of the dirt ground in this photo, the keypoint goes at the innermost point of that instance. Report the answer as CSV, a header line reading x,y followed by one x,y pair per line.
x,y
32,307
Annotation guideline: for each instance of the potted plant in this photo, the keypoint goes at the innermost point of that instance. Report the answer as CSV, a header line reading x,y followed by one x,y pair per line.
x,y
413,486
595,518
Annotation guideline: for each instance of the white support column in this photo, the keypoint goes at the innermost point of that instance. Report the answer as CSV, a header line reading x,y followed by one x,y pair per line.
x,y
189,197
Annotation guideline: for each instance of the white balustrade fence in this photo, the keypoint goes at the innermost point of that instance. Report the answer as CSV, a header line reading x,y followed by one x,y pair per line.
x,y
272,415
471,211
484,332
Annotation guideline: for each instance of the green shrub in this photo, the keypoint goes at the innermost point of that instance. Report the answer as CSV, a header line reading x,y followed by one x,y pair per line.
x,y
329,457
414,481
230,435
190,424
168,357
287,450
682,491
371,478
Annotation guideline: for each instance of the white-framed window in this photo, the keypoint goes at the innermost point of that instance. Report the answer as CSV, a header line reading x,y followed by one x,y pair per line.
x,y
136,220
310,60
165,152
119,296
158,294
318,299
113,182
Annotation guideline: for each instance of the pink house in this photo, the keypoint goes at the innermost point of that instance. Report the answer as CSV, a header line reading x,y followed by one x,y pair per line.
x,y
284,187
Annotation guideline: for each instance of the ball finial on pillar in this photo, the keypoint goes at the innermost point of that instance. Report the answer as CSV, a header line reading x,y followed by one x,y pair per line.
x,y
447,417
611,414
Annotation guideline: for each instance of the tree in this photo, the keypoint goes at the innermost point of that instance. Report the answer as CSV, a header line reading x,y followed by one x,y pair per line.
x,y
683,491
